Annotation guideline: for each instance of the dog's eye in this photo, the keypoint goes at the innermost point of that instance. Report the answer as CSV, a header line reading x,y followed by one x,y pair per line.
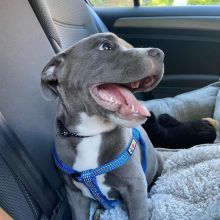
x,y
106,46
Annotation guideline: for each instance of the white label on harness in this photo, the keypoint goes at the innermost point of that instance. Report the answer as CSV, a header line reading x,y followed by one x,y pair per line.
x,y
132,147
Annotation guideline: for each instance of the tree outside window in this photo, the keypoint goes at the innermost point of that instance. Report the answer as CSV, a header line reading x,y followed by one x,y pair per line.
x,y
129,3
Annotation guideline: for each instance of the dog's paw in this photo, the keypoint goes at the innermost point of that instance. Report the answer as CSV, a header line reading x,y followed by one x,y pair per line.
x,y
151,122
212,122
205,131
168,121
151,119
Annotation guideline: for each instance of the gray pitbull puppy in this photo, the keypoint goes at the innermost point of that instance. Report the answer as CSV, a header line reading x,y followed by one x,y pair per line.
x,y
94,81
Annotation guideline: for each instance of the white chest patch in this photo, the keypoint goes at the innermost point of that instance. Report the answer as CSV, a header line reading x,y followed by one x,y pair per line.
x,y
87,158
93,125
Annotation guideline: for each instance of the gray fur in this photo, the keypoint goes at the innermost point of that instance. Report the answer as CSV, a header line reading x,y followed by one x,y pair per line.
x,y
68,76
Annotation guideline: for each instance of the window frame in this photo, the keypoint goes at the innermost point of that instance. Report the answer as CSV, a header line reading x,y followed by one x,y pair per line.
x,y
136,3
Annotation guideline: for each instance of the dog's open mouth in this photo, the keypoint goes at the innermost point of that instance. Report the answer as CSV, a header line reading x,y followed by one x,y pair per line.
x,y
119,97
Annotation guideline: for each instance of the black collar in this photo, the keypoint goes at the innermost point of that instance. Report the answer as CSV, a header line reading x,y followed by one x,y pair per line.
x,y
65,132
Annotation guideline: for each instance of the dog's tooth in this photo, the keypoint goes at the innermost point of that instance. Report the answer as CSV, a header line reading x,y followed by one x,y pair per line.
x,y
135,111
135,85
132,108
111,99
104,96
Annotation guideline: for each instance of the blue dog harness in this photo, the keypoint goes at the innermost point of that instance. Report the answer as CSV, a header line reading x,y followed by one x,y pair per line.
x,y
88,177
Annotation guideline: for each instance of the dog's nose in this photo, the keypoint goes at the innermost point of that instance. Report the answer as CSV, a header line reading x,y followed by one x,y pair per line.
x,y
156,53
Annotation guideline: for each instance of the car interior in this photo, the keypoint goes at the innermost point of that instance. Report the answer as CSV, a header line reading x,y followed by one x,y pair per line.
x,y
33,31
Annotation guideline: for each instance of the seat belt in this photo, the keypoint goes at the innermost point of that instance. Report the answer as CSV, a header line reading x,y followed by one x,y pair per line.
x,y
51,202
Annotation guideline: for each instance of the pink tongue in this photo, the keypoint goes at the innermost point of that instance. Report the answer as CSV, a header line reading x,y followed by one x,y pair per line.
x,y
122,96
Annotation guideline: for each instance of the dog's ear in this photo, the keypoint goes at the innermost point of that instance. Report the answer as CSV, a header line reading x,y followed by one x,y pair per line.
x,y
49,77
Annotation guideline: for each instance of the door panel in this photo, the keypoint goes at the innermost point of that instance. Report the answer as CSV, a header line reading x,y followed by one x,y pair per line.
x,y
181,22
189,36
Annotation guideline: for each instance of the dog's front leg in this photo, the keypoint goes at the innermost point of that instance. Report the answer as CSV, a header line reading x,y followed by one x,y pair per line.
x,y
80,205
135,198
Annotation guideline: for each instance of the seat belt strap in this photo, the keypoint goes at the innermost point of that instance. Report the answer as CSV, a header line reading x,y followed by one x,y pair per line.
x,y
14,153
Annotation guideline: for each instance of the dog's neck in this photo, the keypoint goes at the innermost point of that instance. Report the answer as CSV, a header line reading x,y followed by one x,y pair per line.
x,y
92,125
84,125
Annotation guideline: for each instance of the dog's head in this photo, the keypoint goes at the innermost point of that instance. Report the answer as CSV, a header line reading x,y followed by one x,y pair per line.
x,y
99,74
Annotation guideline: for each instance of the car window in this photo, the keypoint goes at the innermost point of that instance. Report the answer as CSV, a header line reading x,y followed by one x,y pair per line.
x,y
178,2
127,3
112,3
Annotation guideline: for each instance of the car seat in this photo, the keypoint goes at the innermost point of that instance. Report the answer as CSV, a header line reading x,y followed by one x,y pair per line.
x,y
25,50
66,22
30,34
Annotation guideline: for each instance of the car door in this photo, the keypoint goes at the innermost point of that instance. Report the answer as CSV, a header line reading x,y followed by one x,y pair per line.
x,y
189,36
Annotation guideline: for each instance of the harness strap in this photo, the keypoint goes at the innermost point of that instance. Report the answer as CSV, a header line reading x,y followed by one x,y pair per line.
x,y
91,183
143,153
88,177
